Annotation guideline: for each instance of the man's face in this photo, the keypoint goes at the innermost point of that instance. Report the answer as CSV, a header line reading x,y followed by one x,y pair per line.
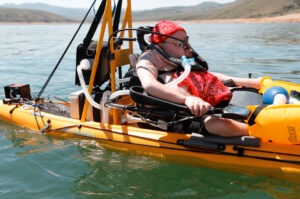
x,y
176,48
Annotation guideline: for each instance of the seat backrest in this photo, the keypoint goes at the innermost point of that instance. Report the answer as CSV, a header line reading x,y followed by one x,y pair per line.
x,y
245,97
131,74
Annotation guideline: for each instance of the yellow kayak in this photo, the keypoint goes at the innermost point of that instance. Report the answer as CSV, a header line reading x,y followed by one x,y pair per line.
x,y
278,153
272,149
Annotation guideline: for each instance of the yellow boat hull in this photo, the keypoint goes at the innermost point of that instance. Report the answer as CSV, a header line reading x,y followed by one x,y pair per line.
x,y
278,123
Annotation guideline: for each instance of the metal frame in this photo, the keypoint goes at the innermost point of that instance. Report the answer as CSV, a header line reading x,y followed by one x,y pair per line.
x,y
121,56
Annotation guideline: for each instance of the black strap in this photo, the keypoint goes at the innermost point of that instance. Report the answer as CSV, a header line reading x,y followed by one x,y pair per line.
x,y
203,64
160,51
160,72
255,114
198,66
140,34
87,40
117,16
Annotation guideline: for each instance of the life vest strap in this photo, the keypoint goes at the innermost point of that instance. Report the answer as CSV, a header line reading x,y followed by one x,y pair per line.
x,y
255,114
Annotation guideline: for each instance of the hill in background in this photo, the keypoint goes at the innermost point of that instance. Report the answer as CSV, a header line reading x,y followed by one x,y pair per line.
x,y
22,15
209,10
70,13
40,12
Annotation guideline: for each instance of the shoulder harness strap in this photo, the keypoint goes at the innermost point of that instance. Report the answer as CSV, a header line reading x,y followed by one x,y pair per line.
x,y
160,51
199,65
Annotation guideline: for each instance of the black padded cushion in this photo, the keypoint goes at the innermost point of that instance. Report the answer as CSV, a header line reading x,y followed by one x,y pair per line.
x,y
139,95
245,97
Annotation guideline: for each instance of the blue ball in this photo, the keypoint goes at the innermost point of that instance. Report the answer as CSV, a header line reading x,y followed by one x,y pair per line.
x,y
272,91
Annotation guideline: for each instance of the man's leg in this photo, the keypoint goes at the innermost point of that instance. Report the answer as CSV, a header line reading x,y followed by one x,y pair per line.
x,y
225,127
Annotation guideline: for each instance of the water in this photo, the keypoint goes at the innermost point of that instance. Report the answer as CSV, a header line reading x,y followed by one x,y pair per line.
x,y
40,166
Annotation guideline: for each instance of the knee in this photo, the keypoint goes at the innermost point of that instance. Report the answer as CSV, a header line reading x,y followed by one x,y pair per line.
x,y
211,120
212,124
225,127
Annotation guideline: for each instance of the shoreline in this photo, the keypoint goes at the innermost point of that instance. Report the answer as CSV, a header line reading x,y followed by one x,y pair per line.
x,y
290,18
37,23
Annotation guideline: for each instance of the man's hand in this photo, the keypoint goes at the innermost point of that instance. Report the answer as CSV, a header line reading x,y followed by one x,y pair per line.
x,y
197,106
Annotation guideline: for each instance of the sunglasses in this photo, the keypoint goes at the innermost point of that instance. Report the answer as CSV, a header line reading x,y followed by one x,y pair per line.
x,y
180,43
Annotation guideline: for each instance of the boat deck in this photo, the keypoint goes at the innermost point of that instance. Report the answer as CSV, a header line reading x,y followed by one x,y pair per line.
x,y
55,108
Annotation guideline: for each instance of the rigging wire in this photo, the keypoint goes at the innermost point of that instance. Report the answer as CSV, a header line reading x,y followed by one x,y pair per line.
x,y
62,56
94,10
114,8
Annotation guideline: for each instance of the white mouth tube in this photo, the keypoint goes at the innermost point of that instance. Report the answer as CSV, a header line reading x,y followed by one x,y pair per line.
x,y
85,65
187,69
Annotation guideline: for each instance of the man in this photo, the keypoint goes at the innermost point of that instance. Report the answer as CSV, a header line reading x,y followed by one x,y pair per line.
x,y
151,62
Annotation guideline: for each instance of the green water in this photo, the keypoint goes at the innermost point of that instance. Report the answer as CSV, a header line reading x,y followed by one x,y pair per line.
x,y
40,166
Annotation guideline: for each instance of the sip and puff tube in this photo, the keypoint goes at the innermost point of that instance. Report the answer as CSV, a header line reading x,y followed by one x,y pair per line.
x,y
187,69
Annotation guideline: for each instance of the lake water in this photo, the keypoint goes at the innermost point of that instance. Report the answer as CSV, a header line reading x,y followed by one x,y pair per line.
x,y
41,166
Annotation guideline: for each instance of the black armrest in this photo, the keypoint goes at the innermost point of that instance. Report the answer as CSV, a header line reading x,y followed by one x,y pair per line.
x,y
139,95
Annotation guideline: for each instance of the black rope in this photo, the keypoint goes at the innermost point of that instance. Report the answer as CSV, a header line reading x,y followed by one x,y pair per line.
x,y
58,99
37,123
55,68
114,8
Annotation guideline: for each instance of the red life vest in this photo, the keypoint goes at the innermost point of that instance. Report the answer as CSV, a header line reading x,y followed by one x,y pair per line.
x,y
206,86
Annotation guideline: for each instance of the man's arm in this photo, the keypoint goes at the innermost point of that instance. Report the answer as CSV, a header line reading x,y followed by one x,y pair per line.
x,y
147,74
253,83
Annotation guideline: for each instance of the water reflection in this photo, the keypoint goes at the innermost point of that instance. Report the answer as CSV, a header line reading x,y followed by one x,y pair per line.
x,y
109,174
146,177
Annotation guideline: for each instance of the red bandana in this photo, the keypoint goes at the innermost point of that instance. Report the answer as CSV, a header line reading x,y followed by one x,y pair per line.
x,y
206,86
164,27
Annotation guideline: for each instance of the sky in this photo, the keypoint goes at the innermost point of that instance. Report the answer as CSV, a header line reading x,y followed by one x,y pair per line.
x,y
136,4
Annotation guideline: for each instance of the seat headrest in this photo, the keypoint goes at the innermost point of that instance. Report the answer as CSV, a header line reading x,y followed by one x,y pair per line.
x,y
140,36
